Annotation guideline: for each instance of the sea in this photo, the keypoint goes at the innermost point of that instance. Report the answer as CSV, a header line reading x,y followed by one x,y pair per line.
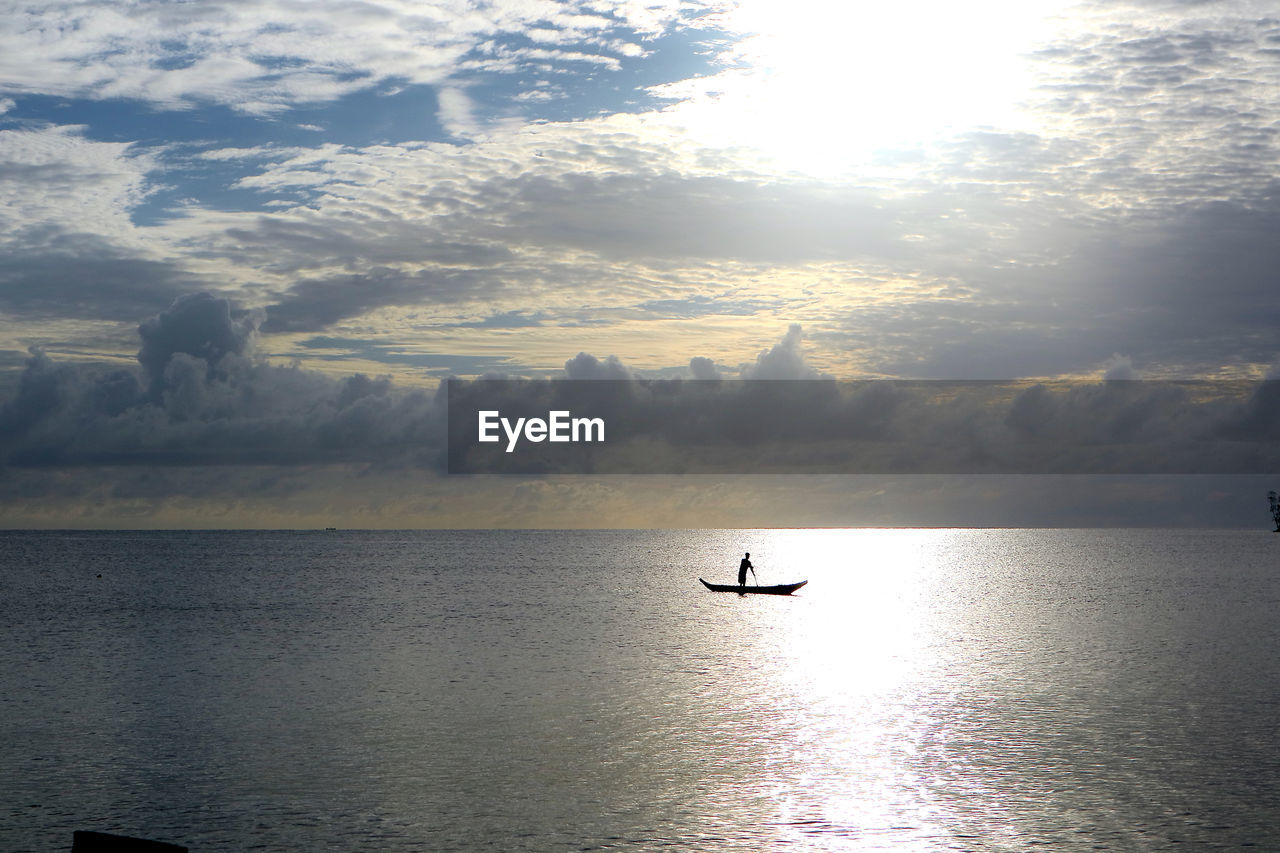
x,y
928,690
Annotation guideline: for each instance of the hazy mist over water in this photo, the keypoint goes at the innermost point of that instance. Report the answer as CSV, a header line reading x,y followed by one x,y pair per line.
x,y
972,690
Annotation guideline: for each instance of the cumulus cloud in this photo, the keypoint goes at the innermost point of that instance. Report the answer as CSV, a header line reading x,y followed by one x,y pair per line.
x,y
1119,367
782,361
587,366
204,398
198,325
703,368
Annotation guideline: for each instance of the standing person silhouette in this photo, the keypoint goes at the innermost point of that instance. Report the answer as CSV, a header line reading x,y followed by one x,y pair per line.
x,y
742,569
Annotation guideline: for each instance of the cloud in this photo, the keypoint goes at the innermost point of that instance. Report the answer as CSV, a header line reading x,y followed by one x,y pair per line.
x,y
670,215
204,398
1177,107
783,361
1119,367
593,209
263,56
316,304
703,368
54,177
457,112
808,424
198,325
67,245
586,366
994,261
1136,217
982,278
204,426
61,274
608,187
440,364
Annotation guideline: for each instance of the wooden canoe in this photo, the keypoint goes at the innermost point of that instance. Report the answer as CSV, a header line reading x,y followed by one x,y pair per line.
x,y
778,589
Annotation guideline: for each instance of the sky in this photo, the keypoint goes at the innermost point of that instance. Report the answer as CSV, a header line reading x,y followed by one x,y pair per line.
x,y
242,242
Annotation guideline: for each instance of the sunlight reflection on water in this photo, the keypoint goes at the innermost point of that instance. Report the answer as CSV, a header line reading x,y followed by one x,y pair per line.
x,y
853,658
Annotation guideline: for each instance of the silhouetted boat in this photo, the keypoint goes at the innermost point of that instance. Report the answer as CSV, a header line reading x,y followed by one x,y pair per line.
x,y
778,589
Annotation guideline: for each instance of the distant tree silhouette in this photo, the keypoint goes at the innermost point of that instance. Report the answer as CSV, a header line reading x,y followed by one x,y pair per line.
x,y
1275,508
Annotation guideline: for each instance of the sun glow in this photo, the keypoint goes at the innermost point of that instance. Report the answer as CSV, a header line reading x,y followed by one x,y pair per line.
x,y
822,87
879,635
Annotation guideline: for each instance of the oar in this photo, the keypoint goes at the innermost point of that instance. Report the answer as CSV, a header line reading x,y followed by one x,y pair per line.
x,y
753,574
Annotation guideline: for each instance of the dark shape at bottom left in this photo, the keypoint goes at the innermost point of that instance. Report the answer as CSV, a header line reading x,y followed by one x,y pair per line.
x,y
102,842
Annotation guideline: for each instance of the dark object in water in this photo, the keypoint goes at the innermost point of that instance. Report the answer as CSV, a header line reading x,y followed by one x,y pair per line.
x,y
103,842
779,589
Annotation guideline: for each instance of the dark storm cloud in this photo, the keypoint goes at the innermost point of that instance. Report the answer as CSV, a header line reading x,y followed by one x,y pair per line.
x,y
202,398
199,325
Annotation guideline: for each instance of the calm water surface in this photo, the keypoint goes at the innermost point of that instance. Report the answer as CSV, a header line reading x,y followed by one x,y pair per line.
x,y
928,690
